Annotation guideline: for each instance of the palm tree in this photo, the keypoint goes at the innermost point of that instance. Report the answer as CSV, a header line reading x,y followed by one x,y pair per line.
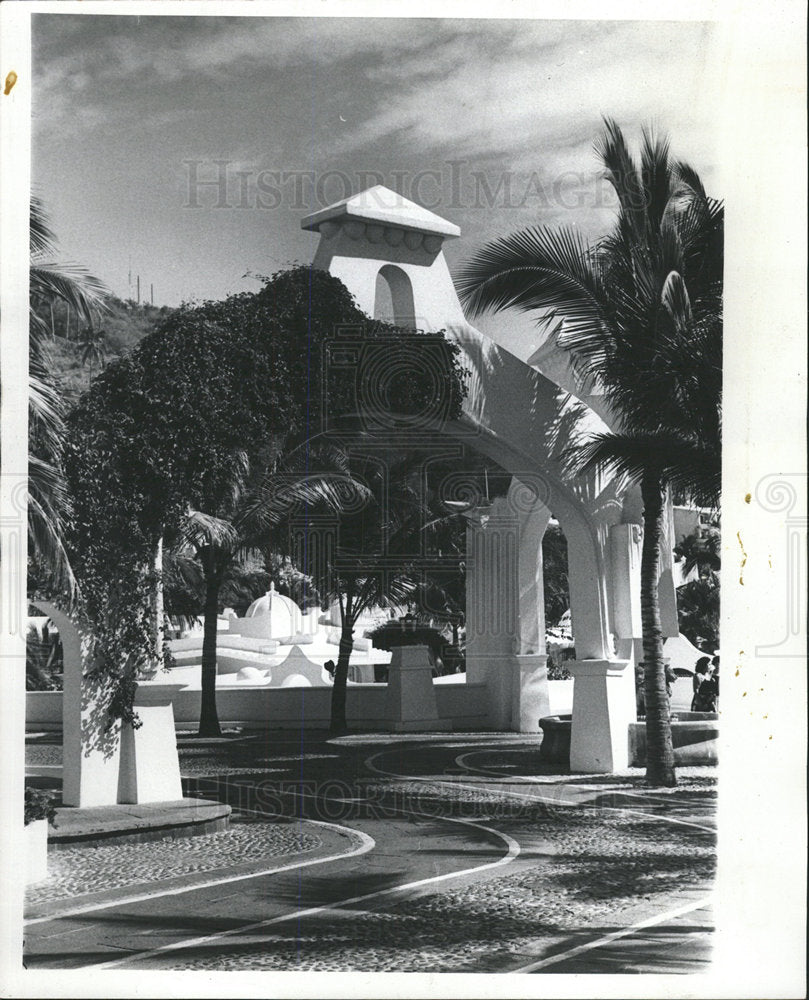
x,y
92,340
243,527
370,562
642,320
50,281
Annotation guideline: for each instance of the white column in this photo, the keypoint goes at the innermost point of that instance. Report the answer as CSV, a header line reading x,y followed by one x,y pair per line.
x,y
150,767
530,700
586,570
533,524
529,689
626,541
492,622
90,751
410,702
666,593
603,707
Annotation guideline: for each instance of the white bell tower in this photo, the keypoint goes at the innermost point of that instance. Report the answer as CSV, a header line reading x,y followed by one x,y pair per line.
x,y
379,236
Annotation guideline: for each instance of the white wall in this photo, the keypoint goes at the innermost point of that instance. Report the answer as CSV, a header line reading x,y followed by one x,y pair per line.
x,y
292,708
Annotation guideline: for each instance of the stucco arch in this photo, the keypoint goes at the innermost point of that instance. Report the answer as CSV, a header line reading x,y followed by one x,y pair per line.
x,y
400,289
525,422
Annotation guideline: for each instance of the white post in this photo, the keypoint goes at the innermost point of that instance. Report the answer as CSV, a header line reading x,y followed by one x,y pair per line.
x,y
492,621
603,707
90,751
529,692
150,766
410,702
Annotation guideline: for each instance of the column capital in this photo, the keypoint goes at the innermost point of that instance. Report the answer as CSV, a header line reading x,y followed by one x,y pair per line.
x,y
596,668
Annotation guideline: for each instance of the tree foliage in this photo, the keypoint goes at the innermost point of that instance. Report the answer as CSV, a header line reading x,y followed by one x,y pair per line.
x,y
698,601
191,435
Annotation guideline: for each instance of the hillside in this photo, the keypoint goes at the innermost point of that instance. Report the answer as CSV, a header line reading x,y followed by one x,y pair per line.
x,y
78,353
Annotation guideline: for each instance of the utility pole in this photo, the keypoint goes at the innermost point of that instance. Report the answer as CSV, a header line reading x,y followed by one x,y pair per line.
x,y
151,288
138,300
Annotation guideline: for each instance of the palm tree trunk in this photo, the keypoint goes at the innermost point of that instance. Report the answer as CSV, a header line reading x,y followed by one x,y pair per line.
x,y
338,693
208,718
158,603
659,748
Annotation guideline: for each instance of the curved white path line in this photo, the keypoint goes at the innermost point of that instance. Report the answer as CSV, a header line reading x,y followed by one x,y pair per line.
x,y
566,802
366,844
513,850
604,939
460,760
562,956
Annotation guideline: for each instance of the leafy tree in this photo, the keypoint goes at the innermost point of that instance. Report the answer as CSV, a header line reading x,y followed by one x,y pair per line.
x,y
93,344
554,560
342,559
159,433
167,437
702,549
235,524
642,319
370,556
698,600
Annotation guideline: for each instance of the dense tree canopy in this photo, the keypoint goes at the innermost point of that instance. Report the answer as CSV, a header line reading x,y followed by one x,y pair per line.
x,y
217,394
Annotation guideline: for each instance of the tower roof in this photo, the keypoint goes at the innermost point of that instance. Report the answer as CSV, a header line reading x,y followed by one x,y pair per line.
x,y
380,204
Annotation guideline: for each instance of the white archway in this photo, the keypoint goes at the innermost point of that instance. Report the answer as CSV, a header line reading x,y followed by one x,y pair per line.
x,y
524,421
393,300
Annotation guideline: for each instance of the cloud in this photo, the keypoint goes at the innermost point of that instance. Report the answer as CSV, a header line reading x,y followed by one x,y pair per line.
x,y
541,88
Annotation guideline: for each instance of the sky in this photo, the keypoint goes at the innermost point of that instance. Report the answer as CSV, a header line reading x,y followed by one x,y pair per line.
x,y
489,123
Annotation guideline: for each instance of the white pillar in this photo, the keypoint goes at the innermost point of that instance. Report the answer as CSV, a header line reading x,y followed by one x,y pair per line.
x,y
626,541
150,766
587,571
603,707
492,621
410,703
90,751
533,524
529,692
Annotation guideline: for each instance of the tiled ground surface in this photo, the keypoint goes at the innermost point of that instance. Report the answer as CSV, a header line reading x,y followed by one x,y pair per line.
x,y
76,870
620,854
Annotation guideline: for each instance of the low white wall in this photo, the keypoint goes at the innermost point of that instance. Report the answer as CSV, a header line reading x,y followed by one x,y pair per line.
x,y
43,710
560,696
286,708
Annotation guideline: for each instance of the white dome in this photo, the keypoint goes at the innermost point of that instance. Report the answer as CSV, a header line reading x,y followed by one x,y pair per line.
x,y
295,680
284,617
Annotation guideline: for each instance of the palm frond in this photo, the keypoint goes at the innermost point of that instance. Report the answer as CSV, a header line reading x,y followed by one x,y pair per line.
x,y
47,501
656,177
622,173
687,465
281,493
676,302
199,530
71,283
542,269
689,177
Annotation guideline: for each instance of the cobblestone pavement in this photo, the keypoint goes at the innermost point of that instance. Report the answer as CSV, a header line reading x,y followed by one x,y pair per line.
x,y
588,865
597,853
74,871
